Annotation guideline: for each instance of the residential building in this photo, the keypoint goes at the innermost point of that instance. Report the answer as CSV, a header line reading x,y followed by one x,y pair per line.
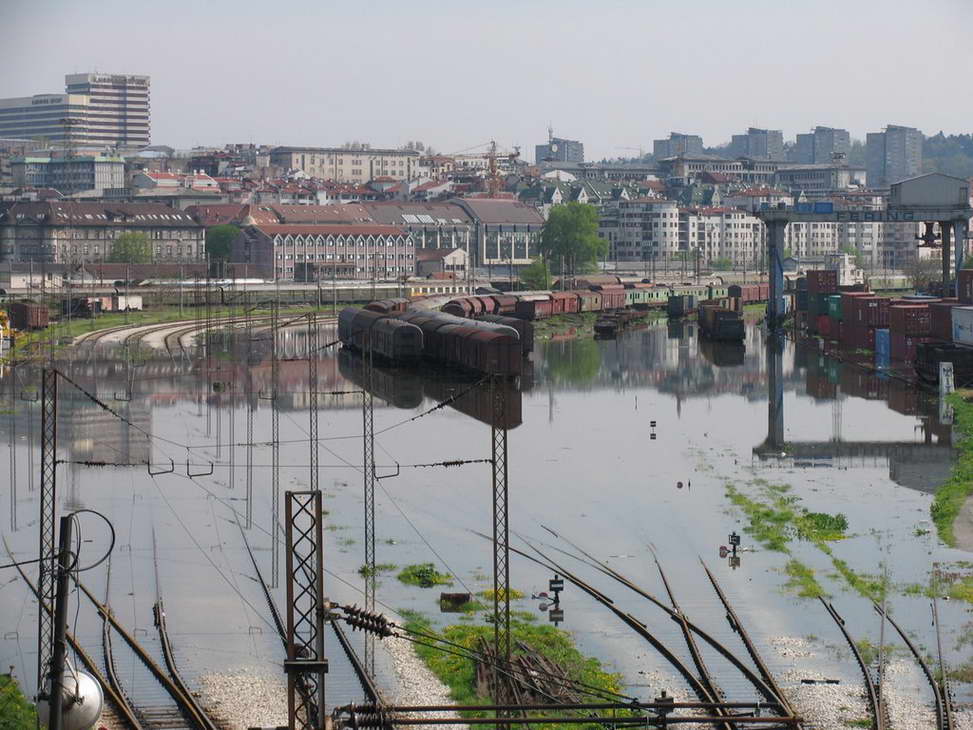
x,y
72,232
720,234
821,145
559,150
678,145
892,155
97,109
118,107
758,144
347,165
505,232
313,252
643,229
69,175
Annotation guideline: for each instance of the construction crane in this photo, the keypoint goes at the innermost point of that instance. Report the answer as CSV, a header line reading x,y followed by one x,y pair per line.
x,y
494,181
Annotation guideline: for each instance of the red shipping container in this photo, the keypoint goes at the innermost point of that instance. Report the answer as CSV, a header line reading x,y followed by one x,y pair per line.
x,y
904,347
909,319
858,337
964,286
822,281
850,306
874,311
824,325
819,386
941,319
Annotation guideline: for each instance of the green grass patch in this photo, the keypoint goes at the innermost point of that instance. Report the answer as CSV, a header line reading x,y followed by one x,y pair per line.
x,y
950,496
801,580
366,571
424,575
16,712
459,673
962,673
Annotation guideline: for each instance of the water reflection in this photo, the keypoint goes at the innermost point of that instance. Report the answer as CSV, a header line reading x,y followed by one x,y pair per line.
x,y
921,464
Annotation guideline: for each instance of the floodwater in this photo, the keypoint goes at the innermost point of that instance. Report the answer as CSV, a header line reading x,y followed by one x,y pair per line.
x,y
601,435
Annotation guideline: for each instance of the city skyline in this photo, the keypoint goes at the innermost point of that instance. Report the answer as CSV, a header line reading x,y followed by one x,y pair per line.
x,y
286,85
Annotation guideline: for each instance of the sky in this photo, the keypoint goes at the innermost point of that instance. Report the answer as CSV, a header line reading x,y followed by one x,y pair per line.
x,y
456,74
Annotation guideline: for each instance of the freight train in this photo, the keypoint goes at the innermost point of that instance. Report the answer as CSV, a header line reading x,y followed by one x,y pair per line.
x,y
598,297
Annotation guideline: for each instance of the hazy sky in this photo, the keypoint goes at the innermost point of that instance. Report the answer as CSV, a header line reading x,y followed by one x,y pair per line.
x,y
456,74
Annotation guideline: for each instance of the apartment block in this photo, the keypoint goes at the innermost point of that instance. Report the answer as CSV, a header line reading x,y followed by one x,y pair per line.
x,y
678,145
349,165
559,150
892,155
758,144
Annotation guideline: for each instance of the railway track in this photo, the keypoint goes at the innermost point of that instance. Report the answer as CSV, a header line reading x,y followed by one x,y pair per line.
x,y
941,699
697,685
873,695
765,685
367,682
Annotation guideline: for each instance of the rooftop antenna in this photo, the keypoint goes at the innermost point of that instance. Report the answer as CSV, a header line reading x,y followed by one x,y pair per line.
x,y
550,132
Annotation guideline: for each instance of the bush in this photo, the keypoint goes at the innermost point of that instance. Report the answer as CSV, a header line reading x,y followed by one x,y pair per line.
x,y
424,575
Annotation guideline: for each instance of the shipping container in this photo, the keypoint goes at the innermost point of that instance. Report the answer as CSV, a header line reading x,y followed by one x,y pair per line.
x,y
962,318
824,325
824,207
822,281
909,319
834,307
941,319
126,303
903,347
964,286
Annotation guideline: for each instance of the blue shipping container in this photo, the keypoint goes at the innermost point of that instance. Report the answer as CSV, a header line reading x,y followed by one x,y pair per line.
x,y
804,207
824,207
883,348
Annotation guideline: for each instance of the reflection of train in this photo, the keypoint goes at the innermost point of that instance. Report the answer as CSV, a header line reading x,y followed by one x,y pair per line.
x,y
722,354
477,402
399,387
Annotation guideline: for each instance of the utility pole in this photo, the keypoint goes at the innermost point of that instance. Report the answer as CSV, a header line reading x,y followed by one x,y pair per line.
x,y
306,664
48,507
501,548
368,467
56,699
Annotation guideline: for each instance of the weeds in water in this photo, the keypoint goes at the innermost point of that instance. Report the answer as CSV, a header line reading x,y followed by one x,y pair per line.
x,y
366,571
951,495
802,580
514,594
424,575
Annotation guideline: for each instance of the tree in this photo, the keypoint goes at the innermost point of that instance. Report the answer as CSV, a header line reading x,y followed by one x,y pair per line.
x,y
537,275
131,248
570,236
219,239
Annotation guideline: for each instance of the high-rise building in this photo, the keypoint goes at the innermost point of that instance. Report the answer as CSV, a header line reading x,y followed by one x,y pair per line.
x,y
678,145
103,110
821,145
892,155
559,150
118,107
758,144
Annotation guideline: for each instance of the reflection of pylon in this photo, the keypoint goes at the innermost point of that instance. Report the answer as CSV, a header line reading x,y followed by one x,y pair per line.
x,y
836,417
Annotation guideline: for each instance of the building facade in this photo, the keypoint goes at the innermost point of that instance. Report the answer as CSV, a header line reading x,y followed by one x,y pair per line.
x,y
506,233
73,233
118,107
357,165
110,110
892,155
69,175
821,145
758,144
685,145
559,150
310,252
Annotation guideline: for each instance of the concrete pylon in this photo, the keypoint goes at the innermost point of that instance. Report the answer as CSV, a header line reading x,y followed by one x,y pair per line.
x,y
945,229
775,252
